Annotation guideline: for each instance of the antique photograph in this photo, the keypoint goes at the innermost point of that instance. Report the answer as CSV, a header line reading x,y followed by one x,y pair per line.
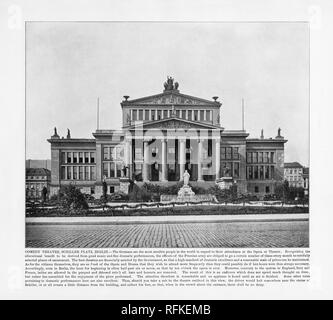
x,y
167,134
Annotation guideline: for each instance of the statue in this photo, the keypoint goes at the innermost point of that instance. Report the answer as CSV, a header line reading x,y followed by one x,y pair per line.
x,y
176,85
55,131
168,85
218,119
262,134
68,134
186,177
279,132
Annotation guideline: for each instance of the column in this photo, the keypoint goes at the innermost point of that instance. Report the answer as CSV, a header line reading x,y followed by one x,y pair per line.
x,y
164,161
217,158
127,156
145,168
182,158
200,178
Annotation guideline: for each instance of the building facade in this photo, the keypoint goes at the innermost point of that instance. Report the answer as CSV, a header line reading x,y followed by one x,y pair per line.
x,y
162,136
294,174
36,179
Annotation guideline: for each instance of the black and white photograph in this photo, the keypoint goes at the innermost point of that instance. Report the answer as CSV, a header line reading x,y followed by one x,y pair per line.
x,y
167,134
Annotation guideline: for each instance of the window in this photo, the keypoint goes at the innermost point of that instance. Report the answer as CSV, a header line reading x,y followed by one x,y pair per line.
x,y
112,169
189,113
75,173
202,115
63,157
235,154
92,157
69,157
152,114
228,153
255,157
86,157
80,157
140,114
256,189
267,189
135,115
80,173
236,170
119,152
261,172
69,173
272,157
260,157
178,113
255,168
208,115
63,172
159,114
105,170
106,153
118,169
146,114
86,173
111,189
92,173
251,173
266,154
74,157
92,190
266,172
249,157
223,154
183,114
272,172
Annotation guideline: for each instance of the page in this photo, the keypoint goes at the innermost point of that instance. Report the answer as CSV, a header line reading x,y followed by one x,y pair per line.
x,y
164,153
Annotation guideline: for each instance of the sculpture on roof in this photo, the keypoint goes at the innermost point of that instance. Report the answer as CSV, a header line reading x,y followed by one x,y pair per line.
x,y
169,85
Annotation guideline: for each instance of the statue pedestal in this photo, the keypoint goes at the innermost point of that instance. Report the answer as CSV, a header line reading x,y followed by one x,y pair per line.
x,y
185,191
225,182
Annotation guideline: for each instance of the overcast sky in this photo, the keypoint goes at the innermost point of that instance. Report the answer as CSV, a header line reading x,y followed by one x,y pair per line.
x,y
69,65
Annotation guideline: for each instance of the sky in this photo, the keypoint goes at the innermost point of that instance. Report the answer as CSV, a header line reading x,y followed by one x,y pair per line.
x,y
70,64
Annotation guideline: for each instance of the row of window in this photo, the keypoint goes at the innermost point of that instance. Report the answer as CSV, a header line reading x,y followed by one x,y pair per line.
x,y
260,172
293,171
36,178
78,157
295,178
112,169
153,114
78,172
260,157
228,153
113,152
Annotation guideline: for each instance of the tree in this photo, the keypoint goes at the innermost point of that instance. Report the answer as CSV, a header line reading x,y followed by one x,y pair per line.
x,y
74,199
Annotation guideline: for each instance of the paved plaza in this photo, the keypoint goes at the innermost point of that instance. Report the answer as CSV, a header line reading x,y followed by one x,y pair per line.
x,y
170,235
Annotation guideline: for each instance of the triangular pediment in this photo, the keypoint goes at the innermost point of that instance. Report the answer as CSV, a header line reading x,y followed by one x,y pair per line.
x,y
171,98
173,123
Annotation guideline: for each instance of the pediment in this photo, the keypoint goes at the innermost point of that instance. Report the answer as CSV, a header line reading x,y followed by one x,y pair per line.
x,y
171,98
174,123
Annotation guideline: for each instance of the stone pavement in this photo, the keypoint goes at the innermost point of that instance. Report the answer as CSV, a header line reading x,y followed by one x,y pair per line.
x,y
248,234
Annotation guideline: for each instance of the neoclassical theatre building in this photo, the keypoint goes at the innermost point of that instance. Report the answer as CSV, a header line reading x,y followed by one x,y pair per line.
x,y
162,136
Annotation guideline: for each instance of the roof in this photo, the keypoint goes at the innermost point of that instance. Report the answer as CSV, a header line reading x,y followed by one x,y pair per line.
x,y
37,172
292,165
